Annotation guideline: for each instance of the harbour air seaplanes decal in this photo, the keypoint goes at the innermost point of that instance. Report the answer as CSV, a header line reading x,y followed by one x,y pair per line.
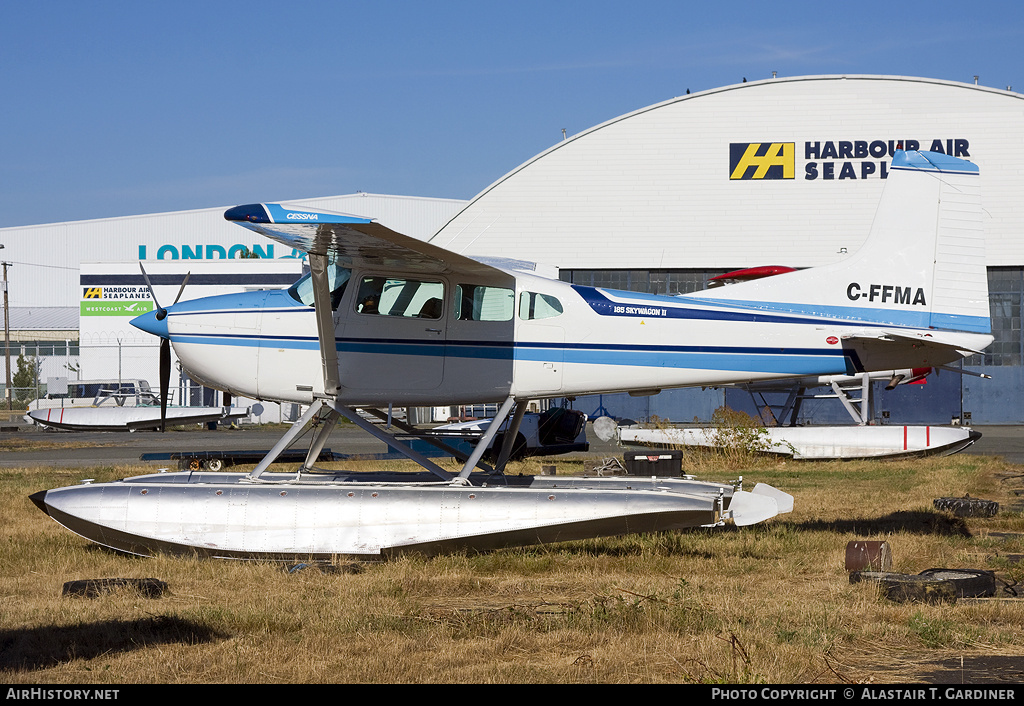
x,y
115,301
762,160
830,160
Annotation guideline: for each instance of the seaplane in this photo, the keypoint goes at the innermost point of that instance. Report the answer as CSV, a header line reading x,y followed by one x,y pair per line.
x,y
781,435
120,405
130,419
383,320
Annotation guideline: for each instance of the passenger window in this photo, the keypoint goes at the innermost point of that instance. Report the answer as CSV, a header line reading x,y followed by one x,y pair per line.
x,y
482,303
409,298
533,305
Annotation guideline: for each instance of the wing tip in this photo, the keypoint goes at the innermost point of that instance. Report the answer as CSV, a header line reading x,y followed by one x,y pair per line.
x,y
249,213
275,213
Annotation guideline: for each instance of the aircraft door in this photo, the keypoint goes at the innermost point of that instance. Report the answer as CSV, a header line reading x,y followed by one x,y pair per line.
x,y
480,342
394,338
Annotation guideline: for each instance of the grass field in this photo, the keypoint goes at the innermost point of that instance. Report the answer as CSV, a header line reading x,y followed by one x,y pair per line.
x,y
770,603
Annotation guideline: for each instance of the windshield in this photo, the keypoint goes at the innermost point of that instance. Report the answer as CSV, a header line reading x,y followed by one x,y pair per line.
x,y
302,291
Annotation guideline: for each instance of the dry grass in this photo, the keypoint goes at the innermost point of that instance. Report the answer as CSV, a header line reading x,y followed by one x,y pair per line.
x,y
16,443
770,603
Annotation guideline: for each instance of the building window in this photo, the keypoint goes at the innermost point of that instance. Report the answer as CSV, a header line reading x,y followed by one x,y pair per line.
x,y
667,282
1005,295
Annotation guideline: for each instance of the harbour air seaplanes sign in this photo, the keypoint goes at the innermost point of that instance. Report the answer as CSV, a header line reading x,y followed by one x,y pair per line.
x,y
126,300
829,160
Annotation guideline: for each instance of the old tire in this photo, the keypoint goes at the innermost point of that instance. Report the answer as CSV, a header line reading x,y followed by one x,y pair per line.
x,y
215,464
92,588
909,588
967,506
969,583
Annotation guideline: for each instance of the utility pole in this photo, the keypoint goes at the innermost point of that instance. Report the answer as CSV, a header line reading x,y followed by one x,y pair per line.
x,y
7,341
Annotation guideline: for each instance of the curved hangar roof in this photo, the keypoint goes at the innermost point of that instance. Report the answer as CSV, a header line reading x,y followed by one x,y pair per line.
x,y
784,171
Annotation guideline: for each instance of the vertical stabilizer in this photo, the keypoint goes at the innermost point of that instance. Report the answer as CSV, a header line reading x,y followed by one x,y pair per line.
x,y
922,265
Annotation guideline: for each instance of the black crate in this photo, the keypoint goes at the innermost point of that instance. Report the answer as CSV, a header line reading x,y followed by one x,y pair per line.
x,y
655,462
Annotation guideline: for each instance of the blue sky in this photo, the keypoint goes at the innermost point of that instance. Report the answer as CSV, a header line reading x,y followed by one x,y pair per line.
x,y
120,108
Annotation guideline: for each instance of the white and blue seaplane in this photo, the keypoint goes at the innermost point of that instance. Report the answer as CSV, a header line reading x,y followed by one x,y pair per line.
x,y
384,319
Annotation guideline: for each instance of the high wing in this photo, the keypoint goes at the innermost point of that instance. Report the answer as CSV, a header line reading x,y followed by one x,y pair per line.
x,y
358,241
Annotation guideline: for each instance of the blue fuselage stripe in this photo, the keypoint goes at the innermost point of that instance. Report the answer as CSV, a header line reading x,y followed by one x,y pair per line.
x,y
661,307
775,360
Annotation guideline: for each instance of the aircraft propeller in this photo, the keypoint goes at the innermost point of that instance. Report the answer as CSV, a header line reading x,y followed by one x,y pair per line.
x,y
165,346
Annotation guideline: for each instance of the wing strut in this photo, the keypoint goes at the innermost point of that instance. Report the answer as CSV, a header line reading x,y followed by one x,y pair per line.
x,y
290,436
485,440
509,440
318,266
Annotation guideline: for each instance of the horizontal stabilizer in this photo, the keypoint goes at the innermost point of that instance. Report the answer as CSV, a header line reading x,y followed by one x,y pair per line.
x,y
873,350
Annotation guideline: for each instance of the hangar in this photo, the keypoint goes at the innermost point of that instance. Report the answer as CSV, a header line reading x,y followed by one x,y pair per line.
x,y
785,171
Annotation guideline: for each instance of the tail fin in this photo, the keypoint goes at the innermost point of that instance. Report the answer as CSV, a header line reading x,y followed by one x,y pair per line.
x,y
922,266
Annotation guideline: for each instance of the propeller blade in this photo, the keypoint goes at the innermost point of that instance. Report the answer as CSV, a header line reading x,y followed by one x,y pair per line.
x,y
182,288
152,293
165,380
165,345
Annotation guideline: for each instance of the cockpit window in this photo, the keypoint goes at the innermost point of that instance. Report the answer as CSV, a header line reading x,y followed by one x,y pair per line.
x,y
393,296
302,291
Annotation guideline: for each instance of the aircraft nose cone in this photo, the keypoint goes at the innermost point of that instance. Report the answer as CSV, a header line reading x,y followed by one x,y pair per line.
x,y
151,323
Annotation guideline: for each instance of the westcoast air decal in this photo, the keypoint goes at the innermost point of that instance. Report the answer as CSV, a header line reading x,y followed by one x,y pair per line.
x,y
829,160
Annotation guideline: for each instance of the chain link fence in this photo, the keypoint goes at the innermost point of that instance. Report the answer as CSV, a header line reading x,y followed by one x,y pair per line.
x,y
122,373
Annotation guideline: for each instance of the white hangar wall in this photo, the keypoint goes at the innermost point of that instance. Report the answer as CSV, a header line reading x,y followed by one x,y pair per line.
x,y
48,256
653,189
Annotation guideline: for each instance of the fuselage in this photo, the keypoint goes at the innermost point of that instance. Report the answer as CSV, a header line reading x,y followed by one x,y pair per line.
x,y
433,340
